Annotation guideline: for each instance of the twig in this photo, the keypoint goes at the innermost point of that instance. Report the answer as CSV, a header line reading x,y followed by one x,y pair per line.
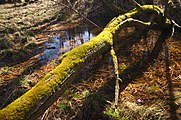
x,y
135,3
71,7
114,7
115,62
176,24
8,98
173,27
44,115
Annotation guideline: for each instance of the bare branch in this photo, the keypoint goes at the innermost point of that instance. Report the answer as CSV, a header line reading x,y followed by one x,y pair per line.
x,y
134,2
115,62
71,7
113,7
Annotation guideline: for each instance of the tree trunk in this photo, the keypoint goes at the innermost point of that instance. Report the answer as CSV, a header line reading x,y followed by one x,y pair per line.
x,y
34,102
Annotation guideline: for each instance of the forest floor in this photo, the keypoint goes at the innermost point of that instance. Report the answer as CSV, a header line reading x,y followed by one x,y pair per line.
x,y
24,31
151,87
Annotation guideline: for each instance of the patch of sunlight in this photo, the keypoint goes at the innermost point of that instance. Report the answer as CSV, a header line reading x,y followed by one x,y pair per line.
x,y
82,95
5,70
122,66
24,82
64,106
133,106
152,88
130,110
113,113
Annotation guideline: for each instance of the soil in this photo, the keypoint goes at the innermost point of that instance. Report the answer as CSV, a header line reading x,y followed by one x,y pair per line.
x,y
150,87
24,30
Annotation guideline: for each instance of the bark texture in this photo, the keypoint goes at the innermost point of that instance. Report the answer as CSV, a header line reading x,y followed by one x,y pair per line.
x,y
34,102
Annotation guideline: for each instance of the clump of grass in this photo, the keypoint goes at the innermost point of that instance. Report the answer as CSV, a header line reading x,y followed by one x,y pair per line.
x,y
152,88
64,107
6,53
132,111
82,95
5,70
30,45
24,82
113,113
3,44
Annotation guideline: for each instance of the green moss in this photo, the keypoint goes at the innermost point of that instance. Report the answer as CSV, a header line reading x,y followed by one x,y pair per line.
x,y
167,24
20,108
51,82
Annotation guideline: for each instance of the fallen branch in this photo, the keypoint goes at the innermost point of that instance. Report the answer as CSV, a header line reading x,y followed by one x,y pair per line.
x,y
71,7
116,71
34,102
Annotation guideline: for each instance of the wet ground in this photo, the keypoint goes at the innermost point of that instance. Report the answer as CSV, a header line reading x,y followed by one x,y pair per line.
x,y
60,44
151,84
150,87
17,78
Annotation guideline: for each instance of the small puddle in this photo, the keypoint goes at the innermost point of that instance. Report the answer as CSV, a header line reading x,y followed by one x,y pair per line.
x,y
60,44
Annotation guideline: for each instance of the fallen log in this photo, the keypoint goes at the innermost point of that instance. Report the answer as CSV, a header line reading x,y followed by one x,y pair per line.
x,y
34,102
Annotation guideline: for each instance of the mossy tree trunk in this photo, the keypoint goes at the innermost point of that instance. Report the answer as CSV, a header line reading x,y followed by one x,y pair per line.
x,y
34,102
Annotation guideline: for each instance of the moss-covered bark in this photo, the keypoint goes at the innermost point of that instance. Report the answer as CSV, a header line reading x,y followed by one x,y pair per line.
x,y
34,102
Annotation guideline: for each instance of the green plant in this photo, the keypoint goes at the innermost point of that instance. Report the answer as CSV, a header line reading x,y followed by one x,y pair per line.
x,y
6,70
64,107
132,111
30,45
82,95
152,88
113,113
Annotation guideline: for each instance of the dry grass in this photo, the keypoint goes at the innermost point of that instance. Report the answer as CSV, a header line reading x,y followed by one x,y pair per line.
x,y
149,90
145,92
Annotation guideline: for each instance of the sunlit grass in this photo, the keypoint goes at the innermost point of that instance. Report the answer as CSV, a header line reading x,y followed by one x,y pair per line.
x,y
132,111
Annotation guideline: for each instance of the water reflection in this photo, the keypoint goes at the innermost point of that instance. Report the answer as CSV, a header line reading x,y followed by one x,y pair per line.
x,y
59,45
